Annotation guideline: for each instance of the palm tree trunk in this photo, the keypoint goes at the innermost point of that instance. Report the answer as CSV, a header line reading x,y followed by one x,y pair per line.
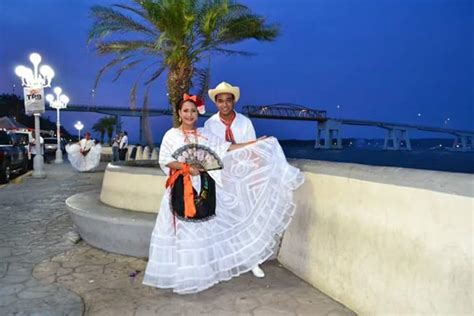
x,y
179,82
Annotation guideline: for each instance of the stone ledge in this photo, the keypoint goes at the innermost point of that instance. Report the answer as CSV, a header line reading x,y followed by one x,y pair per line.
x,y
108,228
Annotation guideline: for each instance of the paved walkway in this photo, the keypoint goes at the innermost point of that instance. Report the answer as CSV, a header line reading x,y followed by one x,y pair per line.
x,y
42,272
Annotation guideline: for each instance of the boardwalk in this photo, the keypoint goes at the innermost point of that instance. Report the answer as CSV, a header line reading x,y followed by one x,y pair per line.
x,y
43,273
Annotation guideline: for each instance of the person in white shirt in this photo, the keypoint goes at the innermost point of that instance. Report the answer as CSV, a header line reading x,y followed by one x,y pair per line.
x,y
123,147
115,147
227,123
230,126
33,146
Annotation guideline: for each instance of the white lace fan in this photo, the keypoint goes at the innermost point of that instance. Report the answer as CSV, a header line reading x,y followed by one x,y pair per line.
x,y
199,155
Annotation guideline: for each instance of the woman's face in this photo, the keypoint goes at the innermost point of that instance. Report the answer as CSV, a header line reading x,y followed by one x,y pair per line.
x,y
188,114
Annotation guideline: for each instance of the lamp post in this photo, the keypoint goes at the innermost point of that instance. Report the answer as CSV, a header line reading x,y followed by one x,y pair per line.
x,y
79,126
60,102
34,82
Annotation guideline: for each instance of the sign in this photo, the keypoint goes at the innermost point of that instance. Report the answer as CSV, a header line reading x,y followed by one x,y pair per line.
x,y
34,100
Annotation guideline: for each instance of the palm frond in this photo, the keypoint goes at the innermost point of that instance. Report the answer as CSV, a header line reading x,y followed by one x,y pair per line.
x,y
120,47
155,75
108,21
126,67
246,27
131,9
230,52
203,80
134,90
111,64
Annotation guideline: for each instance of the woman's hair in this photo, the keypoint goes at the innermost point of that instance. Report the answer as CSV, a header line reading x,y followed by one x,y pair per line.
x,y
181,102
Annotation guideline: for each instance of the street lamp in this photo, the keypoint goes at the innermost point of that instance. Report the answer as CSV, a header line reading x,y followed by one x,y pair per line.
x,y
60,102
34,82
79,126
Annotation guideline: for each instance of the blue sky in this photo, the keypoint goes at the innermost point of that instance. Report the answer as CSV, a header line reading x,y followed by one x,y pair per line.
x,y
382,60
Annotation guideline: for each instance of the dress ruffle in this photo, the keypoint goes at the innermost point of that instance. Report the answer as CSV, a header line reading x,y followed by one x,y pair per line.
x,y
254,207
80,162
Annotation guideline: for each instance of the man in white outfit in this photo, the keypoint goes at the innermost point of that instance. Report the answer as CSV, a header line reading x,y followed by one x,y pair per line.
x,y
230,125
123,146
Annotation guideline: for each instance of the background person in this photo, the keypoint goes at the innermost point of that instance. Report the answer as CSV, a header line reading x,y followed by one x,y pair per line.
x,y
123,146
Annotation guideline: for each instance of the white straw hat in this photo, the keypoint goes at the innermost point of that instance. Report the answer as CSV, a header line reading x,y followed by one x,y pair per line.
x,y
224,87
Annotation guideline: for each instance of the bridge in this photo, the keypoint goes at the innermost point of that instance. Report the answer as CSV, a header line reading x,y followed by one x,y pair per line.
x,y
285,111
118,112
329,129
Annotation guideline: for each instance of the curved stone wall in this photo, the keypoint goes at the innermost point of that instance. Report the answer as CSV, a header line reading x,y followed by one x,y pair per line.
x,y
384,240
135,187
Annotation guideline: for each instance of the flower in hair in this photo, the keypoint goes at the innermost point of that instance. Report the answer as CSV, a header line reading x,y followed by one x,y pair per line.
x,y
197,100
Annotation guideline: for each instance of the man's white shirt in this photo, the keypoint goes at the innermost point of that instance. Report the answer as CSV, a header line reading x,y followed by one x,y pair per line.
x,y
33,146
123,142
242,128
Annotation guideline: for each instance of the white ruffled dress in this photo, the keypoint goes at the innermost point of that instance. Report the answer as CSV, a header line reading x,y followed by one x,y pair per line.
x,y
254,205
78,160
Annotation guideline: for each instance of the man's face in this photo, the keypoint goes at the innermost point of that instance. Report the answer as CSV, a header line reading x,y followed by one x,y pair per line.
x,y
225,103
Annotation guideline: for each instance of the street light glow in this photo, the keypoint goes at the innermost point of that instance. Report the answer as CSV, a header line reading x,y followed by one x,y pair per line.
x,y
60,102
35,58
32,79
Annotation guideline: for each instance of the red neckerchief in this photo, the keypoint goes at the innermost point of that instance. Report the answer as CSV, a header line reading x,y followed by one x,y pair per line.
x,y
229,136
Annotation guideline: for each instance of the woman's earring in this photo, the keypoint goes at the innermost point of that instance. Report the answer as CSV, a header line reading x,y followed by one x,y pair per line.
x,y
179,119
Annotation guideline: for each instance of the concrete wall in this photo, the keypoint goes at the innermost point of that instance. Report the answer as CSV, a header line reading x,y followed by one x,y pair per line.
x,y
384,240
133,188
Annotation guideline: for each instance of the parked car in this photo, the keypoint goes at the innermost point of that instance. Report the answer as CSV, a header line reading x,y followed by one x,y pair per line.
x,y
51,144
13,156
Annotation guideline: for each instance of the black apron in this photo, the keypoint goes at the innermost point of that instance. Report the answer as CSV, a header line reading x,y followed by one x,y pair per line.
x,y
204,201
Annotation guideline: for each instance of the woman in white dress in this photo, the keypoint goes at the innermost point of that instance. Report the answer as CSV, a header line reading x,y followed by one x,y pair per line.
x,y
85,155
191,252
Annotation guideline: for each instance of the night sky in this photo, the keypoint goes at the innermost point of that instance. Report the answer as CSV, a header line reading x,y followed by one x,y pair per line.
x,y
386,60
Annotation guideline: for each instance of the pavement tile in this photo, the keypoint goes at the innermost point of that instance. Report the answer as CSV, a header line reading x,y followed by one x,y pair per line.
x,y
43,273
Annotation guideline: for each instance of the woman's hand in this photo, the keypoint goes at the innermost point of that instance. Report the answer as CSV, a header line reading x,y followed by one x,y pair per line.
x,y
195,170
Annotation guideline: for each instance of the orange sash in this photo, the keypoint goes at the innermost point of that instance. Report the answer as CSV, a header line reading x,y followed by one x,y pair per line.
x,y
189,207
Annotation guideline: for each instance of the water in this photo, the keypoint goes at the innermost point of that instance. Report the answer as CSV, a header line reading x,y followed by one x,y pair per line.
x,y
429,154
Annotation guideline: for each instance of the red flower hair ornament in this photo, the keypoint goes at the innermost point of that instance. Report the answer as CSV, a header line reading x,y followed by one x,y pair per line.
x,y
201,108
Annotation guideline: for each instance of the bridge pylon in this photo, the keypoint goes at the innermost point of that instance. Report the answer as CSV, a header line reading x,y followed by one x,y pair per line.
x,y
463,142
330,130
398,136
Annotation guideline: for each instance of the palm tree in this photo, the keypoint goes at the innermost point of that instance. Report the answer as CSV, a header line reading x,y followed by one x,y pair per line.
x,y
99,127
176,36
105,125
109,124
